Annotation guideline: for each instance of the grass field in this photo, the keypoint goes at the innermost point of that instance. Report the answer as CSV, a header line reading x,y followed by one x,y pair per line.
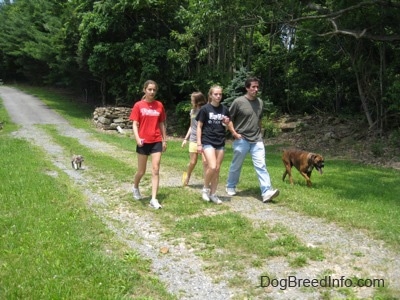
x,y
55,248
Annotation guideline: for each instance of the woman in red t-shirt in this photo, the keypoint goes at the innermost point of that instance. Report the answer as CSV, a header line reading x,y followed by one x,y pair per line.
x,y
148,116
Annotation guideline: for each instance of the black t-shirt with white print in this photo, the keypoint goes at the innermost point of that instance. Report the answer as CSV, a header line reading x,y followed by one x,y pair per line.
x,y
213,130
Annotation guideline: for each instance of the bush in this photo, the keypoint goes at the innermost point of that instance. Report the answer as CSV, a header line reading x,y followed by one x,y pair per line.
x,y
377,149
236,88
182,120
269,127
394,138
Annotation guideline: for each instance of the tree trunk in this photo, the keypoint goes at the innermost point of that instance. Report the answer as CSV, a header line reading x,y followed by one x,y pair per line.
x,y
103,91
382,72
364,100
250,49
234,46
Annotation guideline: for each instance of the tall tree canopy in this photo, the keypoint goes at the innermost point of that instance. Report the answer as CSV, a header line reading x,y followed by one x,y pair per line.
x,y
330,56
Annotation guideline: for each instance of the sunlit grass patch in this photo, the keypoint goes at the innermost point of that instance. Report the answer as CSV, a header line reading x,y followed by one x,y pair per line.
x,y
53,246
350,195
235,234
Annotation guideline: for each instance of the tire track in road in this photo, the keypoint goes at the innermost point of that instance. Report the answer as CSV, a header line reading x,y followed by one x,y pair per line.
x,y
347,252
181,271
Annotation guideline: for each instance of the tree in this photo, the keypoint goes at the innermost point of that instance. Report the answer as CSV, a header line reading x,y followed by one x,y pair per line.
x,y
216,40
364,32
29,35
124,43
330,56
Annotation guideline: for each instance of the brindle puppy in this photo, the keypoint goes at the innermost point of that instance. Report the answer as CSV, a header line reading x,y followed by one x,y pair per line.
x,y
304,162
76,161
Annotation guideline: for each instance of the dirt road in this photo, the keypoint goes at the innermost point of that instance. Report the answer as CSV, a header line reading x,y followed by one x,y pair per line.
x,y
347,252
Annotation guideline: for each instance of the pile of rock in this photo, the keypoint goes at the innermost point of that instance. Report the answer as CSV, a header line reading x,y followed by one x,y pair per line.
x,y
110,118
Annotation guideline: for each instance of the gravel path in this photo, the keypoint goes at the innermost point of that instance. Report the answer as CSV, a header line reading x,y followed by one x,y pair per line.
x,y
347,252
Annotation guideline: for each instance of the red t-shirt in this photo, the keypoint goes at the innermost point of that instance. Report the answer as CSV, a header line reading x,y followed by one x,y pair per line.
x,y
148,115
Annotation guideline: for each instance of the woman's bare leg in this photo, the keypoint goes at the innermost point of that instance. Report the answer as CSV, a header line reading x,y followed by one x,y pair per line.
x,y
141,170
219,158
155,173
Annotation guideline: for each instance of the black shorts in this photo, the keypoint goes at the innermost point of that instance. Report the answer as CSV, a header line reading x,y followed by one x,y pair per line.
x,y
150,148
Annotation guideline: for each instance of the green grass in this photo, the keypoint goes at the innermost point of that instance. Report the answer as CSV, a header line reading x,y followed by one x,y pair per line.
x,y
238,232
98,160
348,194
8,126
179,204
225,230
352,195
52,246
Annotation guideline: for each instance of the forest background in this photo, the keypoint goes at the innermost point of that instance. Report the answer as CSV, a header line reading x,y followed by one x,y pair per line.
x,y
331,57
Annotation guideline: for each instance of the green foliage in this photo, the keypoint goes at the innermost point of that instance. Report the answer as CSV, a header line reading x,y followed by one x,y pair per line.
x,y
30,35
392,98
377,149
236,87
269,127
182,113
394,138
109,48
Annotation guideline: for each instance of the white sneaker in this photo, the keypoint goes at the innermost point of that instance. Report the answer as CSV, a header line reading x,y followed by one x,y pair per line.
x,y
269,195
230,191
205,194
154,204
136,194
214,198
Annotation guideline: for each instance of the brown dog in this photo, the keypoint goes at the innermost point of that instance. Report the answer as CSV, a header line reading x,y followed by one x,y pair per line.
x,y
304,162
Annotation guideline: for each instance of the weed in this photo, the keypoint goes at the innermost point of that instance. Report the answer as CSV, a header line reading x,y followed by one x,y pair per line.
x,y
377,149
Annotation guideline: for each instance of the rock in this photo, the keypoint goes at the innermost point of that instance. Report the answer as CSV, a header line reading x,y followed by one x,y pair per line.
x,y
329,136
110,118
288,127
164,250
104,120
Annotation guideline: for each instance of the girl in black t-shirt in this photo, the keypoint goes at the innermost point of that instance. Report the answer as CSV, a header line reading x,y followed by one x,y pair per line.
x,y
212,120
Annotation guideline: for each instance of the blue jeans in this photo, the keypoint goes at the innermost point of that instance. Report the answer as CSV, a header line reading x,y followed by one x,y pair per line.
x,y
257,151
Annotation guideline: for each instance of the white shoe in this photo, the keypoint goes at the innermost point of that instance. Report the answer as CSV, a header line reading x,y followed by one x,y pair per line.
x,y
136,194
230,191
214,198
269,195
205,194
154,204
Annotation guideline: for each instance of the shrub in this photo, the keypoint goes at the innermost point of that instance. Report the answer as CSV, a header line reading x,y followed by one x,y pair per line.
x,y
377,149
182,120
269,127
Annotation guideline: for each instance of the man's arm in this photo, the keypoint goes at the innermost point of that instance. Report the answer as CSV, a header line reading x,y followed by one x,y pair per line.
x,y
231,128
